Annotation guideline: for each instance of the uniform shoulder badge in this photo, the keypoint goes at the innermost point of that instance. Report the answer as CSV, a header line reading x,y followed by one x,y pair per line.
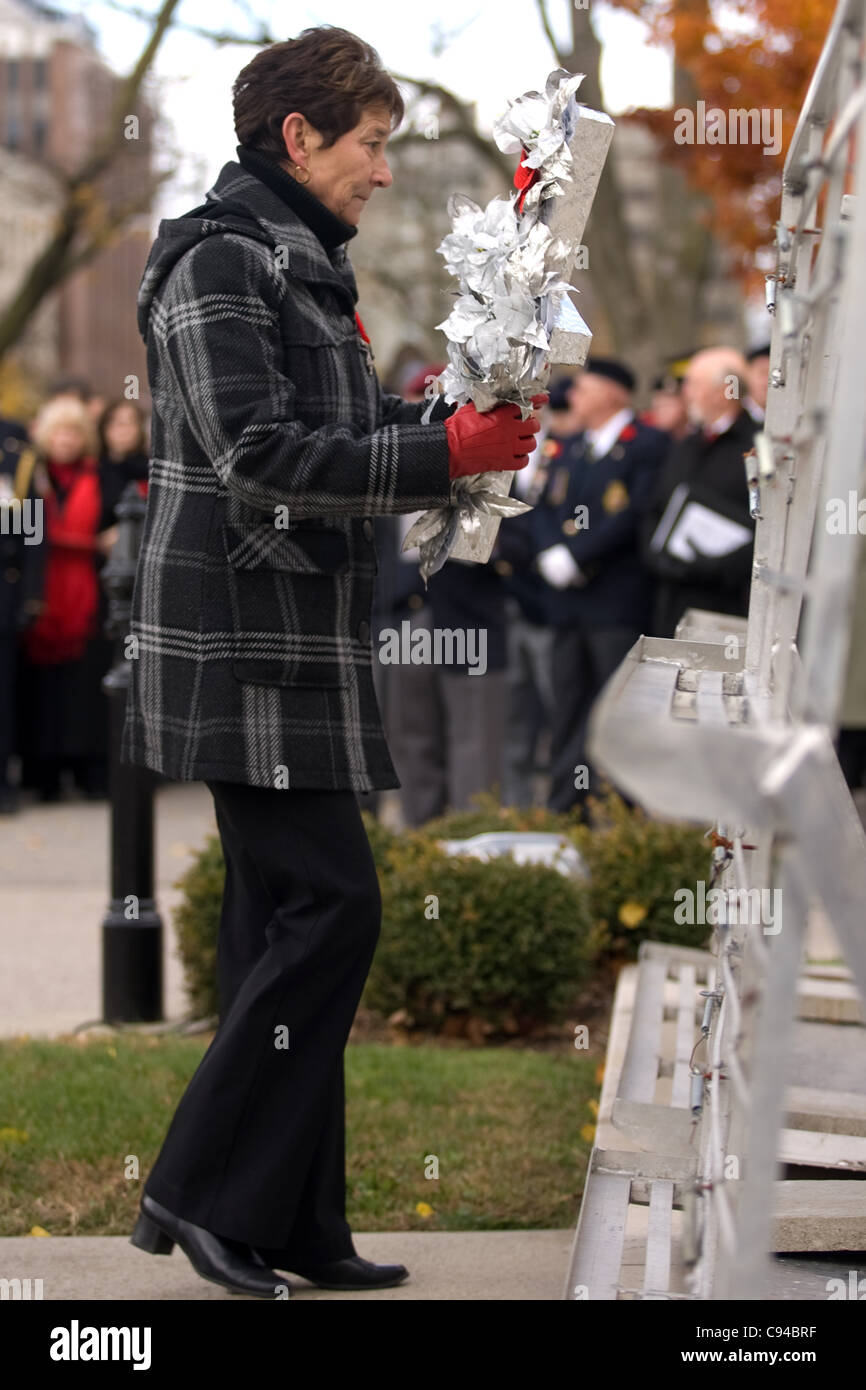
x,y
615,497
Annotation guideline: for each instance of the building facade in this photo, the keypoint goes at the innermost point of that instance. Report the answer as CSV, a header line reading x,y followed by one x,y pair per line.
x,y
56,99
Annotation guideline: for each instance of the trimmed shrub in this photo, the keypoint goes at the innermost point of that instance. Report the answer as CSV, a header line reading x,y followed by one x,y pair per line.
x,y
196,921
511,944
506,943
635,865
486,814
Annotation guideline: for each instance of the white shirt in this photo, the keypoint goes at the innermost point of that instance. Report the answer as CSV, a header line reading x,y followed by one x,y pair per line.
x,y
557,564
724,422
603,439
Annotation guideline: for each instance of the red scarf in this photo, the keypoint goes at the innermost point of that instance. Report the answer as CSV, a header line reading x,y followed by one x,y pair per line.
x,y
71,593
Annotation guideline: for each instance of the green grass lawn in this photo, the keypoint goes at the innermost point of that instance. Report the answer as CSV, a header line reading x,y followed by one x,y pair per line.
x,y
508,1127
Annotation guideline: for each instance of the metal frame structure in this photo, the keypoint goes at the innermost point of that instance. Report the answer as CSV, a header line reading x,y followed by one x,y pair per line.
x,y
698,728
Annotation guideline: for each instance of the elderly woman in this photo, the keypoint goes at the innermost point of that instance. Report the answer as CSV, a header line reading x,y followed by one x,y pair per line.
x,y
62,724
273,447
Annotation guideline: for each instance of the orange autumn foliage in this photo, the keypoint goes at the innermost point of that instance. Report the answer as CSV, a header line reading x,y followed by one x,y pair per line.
x,y
752,54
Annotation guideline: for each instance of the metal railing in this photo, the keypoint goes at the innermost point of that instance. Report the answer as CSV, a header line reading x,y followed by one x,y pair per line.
x,y
748,743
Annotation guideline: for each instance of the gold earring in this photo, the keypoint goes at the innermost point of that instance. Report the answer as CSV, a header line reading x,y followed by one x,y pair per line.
x,y
301,181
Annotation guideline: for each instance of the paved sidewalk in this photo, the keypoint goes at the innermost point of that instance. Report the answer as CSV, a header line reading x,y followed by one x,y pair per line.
x,y
444,1266
453,1265
54,892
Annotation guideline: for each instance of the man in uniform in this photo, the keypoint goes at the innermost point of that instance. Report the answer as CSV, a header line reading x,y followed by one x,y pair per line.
x,y
530,703
586,543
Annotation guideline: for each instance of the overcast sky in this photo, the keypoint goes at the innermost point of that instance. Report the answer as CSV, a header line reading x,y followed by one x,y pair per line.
x,y
492,50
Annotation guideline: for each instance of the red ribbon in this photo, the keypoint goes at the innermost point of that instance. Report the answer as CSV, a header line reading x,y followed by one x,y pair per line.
x,y
361,329
524,179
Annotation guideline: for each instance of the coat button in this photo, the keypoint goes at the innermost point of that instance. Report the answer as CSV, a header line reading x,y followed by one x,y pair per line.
x,y
368,529
364,630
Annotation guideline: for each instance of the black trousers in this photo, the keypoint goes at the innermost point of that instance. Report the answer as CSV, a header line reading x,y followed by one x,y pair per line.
x,y
584,659
256,1149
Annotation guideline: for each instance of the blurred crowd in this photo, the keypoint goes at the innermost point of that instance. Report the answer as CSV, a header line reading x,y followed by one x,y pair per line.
x,y
62,476
635,517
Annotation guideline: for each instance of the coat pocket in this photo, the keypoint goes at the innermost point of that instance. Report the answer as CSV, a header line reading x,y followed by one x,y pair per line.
x,y
288,590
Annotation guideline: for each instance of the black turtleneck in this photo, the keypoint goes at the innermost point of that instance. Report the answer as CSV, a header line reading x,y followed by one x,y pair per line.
x,y
331,230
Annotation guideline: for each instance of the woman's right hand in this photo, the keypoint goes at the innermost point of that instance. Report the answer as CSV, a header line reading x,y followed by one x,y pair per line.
x,y
497,439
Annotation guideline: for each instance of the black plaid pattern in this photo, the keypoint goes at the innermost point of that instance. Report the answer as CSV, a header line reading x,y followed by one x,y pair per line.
x,y
272,448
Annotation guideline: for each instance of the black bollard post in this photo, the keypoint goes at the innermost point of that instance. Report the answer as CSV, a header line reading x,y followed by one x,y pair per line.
x,y
132,927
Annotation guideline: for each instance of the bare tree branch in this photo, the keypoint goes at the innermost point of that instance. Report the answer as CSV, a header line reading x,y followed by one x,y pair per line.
x,y
464,116
124,101
53,263
115,222
221,38
548,30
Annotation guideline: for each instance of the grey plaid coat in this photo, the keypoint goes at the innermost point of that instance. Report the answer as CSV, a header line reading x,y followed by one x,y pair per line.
x,y
272,447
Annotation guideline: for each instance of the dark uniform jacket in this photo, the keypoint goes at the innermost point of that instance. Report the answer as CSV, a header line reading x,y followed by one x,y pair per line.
x,y
717,472
603,539
253,638
514,550
459,596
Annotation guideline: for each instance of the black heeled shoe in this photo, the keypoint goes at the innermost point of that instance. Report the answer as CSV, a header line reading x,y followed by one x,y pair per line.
x,y
354,1273
230,1263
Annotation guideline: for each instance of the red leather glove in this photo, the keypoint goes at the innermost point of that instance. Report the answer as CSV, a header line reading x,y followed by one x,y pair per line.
x,y
497,439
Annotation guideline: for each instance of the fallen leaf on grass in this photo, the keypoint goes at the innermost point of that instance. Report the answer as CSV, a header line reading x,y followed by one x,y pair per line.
x,y
8,1135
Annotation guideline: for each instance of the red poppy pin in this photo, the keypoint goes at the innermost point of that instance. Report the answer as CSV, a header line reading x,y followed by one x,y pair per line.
x,y
628,434
524,179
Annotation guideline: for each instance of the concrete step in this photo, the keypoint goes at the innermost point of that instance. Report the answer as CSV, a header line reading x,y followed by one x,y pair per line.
x,y
833,1000
827,1214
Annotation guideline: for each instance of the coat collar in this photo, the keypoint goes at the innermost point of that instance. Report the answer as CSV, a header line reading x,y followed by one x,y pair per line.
x,y
270,219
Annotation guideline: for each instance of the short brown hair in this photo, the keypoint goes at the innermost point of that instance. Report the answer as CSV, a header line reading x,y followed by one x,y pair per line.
x,y
326,73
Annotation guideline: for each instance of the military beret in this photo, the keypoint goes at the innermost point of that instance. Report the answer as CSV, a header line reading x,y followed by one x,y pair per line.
x,y
613,370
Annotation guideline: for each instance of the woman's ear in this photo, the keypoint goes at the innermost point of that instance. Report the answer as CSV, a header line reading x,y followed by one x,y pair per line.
x,y
296,134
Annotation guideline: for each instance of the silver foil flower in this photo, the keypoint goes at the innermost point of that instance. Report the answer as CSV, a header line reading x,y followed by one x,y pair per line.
x,y
512,276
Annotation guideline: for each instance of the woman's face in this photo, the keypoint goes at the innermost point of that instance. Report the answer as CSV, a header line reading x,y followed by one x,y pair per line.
x,y
122,431
344,175
66,443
